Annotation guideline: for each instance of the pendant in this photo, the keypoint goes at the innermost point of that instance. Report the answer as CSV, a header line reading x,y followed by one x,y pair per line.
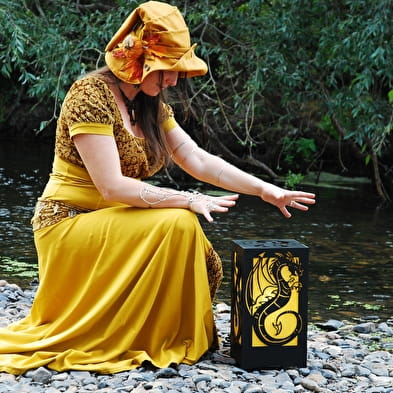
x,y
130,104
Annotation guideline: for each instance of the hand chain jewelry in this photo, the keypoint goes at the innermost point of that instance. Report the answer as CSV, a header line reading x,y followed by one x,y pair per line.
x,y
196,196
152,195
158,194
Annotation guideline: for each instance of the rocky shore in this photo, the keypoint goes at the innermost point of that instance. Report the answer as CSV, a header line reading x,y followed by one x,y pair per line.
x,y
342,357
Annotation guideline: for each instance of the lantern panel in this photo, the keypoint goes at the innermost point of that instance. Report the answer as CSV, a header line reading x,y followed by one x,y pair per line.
x,y
269,303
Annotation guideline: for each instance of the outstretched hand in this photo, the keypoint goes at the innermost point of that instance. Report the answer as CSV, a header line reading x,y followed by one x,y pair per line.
x,y
277,196
206,204
282,198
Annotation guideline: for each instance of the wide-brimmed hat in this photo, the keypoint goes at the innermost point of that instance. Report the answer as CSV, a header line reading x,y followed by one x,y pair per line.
x,y
154,37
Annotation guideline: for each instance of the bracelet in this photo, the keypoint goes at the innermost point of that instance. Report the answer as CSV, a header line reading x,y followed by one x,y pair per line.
x,y
220,173
178,147
193,197
152,196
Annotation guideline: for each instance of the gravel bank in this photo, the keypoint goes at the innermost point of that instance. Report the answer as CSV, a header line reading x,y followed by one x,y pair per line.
x,y
342,357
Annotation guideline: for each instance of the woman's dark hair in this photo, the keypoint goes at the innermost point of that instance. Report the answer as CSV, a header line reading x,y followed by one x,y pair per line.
x,y
148,111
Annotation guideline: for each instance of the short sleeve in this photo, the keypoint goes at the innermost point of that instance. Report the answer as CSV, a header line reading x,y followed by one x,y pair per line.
x,y
167,118
91,128
88,102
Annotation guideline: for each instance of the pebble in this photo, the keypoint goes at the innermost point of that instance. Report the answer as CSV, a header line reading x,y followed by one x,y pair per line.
x,y
342,356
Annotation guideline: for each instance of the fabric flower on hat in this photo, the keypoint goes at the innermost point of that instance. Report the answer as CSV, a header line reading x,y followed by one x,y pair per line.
x,y
134,50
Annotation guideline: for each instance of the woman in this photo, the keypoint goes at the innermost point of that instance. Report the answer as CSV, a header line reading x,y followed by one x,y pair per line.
x,y
126,272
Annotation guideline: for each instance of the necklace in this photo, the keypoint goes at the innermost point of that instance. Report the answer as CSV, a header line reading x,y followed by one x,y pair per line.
x,y
130,104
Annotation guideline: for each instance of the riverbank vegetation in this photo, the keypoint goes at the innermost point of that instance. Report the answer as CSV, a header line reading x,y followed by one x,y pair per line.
x,y
295,86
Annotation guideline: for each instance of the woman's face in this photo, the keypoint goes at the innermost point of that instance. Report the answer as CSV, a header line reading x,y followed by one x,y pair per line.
x,y
157,81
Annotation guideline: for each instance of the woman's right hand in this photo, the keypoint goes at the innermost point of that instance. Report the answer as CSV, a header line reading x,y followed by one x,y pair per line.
x,y
205,204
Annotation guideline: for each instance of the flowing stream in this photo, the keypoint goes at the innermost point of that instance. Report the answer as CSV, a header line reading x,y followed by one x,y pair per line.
x,y
350,238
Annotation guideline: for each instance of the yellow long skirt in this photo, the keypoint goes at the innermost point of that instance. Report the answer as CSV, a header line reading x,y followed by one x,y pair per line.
x,y
118,286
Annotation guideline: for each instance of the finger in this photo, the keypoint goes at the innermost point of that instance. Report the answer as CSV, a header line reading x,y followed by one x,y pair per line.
x,y
225,200
228,198
231,197
220,209
218,206
308,201
298,206
226,203
299,200
208,216
301,194
285,212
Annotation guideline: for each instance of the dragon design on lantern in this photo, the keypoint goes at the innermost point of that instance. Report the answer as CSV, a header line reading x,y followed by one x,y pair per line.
x,y
272,290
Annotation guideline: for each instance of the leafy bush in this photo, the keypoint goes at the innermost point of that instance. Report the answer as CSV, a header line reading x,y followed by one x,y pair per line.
x,y
312,66
286,79
45,49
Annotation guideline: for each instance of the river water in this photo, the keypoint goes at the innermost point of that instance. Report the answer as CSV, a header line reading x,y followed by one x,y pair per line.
x,y
350,238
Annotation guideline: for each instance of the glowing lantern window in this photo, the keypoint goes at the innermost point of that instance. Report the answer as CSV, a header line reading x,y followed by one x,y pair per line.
x,y
269,303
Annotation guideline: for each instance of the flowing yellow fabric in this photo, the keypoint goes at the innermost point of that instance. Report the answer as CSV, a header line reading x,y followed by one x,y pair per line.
x,y
119,285
72,185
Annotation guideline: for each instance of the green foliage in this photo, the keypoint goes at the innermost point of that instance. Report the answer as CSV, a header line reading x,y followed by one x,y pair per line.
x,y
326,125
303,63
293,179
47,45
361,38
338,302
298,150
320,68
17,268
390,96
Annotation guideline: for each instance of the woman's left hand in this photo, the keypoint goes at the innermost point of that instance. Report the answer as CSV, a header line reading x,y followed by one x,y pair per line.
x,y
283,199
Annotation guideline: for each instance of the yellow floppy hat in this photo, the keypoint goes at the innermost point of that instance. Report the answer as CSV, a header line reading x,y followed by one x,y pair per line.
x,y
153,38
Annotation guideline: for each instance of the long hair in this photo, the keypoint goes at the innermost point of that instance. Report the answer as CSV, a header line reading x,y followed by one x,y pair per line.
x,y
148,110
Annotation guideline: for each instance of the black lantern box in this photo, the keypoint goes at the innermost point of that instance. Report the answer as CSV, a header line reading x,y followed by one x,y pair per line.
x,y
269,304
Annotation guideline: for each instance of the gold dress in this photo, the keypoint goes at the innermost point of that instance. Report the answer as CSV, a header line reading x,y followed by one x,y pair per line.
x,y
119,285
